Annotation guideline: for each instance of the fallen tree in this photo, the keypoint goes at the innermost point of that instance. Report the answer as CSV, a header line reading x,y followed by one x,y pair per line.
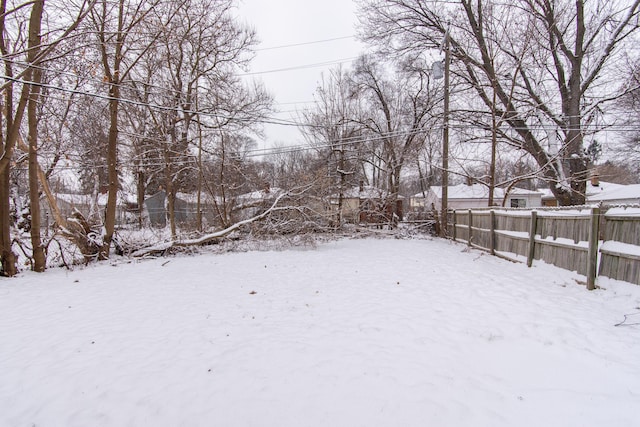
x,y
76,228
212,237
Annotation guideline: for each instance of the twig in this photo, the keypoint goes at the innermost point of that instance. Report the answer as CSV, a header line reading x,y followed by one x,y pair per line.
x,y
626,316
64,262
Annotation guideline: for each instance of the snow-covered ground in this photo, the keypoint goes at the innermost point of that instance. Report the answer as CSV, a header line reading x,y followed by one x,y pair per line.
x,y
352,333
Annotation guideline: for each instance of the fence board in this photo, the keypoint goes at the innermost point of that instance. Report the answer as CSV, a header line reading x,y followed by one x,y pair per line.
x,y
561,237
620,257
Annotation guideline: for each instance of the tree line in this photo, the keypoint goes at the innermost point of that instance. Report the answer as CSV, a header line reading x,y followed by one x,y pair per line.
x,y
148,94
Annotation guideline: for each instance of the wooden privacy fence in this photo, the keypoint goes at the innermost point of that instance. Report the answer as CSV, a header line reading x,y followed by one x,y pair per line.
x,y
589,240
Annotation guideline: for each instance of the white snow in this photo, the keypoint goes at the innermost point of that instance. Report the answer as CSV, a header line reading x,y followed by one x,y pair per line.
x,y
366,192
578,213
517,234
623,212
477,191
601,187
611,246
563,241
520,213
615,193
365,332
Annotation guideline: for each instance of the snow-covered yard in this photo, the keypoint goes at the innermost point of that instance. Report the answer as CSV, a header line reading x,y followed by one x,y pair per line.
x,y
353,333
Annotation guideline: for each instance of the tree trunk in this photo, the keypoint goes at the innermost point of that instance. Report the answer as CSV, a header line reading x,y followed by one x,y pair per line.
x,y
140,187
200,174
445,139
342,184
171,208
9,267
7,257
39,259
171,192
114,79
7,143
574,143
112,168
494,144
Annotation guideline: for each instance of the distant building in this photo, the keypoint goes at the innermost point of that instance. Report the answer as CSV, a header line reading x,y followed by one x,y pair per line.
x,y
476,196
186,206
602,192
366,204
91,206
615,194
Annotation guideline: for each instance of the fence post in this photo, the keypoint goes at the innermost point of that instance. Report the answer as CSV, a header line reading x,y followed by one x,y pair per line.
x,y
455,221
446,223
532,238
492,235
470,226
592,261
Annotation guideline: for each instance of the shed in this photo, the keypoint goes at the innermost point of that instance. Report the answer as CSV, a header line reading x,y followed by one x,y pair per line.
x,y
367,204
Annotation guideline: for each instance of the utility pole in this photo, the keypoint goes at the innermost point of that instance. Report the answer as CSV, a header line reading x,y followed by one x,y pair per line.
x,y
494,144
445,139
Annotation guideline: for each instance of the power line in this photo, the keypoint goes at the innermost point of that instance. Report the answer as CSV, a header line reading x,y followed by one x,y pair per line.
x,y
304,43
123,85
282,122
301,67
296,102
188,159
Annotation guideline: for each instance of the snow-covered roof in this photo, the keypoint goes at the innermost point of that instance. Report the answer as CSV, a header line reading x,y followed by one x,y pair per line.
x,y
477,191
602,186
193,197
618,193
75,199
601,192
86,199
261,194
366,192
547,193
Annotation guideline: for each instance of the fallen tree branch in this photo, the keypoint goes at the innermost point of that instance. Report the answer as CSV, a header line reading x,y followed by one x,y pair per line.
x,y
207,238
79,232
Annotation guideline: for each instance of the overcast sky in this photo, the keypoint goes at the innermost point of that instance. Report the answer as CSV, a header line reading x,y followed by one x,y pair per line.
x,y
288,22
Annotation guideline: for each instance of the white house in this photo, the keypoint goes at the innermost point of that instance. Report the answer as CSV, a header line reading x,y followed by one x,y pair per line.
x,y
475,196
602,192
615,194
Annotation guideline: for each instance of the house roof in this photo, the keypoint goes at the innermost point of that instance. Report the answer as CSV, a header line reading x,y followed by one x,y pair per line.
x,y
261,194
477,191
87,199
617,192
591,190
546,194
602,187
193,197
367,192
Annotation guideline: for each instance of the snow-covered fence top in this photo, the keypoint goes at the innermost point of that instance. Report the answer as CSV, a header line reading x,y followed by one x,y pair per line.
x,y
620,250
570,239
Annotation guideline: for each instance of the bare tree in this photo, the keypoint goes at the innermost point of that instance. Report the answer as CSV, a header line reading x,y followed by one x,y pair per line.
x,y
15,42
189,89
627,151
398,116
333,128
560,54
35,38
121,45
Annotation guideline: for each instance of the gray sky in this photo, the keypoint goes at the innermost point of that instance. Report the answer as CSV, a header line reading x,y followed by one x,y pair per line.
x,y
288,22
